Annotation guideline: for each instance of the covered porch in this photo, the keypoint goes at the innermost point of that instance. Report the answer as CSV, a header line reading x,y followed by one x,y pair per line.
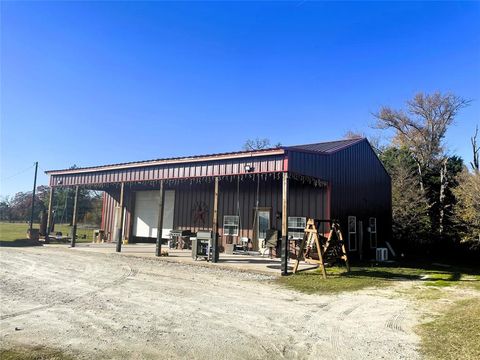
x,y
240,197
248,263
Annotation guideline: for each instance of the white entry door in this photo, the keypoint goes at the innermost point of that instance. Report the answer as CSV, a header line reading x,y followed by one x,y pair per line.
x,y
146,213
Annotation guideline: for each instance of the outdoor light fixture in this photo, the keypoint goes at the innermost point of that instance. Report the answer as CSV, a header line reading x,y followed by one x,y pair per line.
x,y
249,168
59,182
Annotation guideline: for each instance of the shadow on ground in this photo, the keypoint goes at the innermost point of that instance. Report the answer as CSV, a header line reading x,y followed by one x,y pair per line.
x,y
429,276
20,243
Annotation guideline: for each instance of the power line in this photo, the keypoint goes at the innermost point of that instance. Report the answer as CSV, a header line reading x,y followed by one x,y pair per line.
x,y
18,173
41,168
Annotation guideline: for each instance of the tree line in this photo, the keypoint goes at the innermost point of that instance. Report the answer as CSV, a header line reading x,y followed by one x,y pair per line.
x,y
435,194
18,207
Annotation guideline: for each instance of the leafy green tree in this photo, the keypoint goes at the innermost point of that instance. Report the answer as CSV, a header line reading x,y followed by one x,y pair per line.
x,y
410,220
467,208
5,209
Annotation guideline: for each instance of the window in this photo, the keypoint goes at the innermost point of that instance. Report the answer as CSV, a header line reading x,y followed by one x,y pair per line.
x,y
296,227
230,225
352,233
372,225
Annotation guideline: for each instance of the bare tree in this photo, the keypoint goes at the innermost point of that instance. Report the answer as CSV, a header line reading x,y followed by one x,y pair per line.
x,y
444,182
421,128
374,141
257,144
350,134
476,150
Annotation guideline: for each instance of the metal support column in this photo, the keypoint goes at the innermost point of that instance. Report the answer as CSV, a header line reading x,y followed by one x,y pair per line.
x,y
215,254
119,230
74,218
285,243
158,249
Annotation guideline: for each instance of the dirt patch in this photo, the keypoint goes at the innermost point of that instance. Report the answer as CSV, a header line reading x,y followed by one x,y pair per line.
x,y
104,306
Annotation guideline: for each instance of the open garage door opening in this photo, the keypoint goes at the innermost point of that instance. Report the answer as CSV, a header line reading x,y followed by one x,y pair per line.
x,y
146,215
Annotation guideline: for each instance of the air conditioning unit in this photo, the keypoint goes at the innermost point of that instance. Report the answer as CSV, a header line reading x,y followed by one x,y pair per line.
x,y
382,254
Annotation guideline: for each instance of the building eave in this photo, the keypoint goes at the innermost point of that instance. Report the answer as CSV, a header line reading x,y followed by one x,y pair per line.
x,y
169,161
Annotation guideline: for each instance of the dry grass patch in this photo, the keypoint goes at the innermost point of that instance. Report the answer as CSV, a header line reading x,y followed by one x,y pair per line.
x,y
33,353
454,334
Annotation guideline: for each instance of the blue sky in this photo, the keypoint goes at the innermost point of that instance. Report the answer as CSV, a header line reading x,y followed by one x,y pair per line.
x,y
95,83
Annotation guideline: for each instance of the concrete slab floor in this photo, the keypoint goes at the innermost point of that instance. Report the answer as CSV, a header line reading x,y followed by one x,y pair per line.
x,y
240,262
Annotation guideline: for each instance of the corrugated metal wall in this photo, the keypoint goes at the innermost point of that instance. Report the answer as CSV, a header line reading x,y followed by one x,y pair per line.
x,y
192,200
360,186
261,164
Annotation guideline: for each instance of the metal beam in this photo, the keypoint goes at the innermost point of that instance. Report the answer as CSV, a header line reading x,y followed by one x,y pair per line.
x,y
158,249
74,218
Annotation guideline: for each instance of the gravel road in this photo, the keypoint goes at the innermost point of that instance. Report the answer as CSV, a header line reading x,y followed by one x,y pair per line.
x,y
95,306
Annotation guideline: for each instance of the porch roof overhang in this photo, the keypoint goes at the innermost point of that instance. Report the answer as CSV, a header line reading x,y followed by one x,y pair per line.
x,y
173,169
197,168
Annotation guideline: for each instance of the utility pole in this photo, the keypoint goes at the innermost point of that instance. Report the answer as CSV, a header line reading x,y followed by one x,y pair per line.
x,y
33,195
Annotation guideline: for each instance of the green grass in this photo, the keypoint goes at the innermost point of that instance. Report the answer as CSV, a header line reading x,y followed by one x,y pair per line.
x,y
454,331
312,282
18,231
33,353
453,334
361,277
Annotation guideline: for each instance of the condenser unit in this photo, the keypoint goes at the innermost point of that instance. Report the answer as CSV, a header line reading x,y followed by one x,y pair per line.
x,y
382,254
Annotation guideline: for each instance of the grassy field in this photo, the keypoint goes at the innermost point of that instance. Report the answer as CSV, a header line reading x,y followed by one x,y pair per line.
x,y
10,232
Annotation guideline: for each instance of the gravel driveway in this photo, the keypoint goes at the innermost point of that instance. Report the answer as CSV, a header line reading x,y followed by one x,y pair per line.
x,y
112,306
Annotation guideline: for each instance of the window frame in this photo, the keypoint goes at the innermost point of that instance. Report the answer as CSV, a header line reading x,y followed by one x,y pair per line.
x,y
235,226
296,228
352,234
373,234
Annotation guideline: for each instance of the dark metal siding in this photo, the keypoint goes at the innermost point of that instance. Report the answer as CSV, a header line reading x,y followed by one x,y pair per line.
x,y
304,200
360,186
99,178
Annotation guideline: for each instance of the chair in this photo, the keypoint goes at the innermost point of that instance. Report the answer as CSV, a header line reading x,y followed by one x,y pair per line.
x,y
271,241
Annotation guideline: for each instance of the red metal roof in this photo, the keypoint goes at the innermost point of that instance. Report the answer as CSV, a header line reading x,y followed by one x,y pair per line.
x,y
174,160
323,148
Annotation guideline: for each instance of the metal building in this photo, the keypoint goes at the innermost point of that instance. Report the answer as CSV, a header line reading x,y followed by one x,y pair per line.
x,y
243,194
